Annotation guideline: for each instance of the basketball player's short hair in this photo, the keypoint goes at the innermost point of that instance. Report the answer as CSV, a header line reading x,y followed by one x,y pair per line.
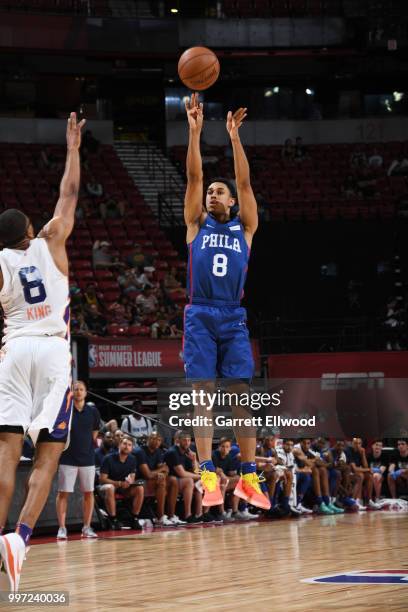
x,y
13,227
228,183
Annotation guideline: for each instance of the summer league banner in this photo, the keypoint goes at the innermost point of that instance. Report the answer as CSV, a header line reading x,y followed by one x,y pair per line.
x,y
354,406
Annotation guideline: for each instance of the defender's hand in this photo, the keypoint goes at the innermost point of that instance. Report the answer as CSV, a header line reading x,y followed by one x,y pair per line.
x,y
74,132
194,111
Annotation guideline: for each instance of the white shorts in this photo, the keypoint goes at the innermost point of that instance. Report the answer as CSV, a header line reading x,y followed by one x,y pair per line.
x,y
67,475
35,385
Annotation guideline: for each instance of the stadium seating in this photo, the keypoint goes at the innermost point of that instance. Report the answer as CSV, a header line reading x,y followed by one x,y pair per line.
x,y
26,185
312,189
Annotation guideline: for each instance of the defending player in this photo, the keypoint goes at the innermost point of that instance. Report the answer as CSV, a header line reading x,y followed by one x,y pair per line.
x,y
35,365
216,340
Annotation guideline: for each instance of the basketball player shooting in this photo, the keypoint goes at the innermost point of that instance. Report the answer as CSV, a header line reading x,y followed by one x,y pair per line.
x,y
216,339
35,364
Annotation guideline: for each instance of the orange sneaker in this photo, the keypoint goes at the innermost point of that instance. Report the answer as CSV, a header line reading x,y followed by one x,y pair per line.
x,y
211,488
248,489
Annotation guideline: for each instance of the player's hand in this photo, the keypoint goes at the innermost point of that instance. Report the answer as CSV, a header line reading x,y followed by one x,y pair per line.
x,y
234,121
194,111
74,132
125,484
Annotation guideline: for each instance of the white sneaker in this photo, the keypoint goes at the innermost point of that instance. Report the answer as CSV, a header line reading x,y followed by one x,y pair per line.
x,y
373,505
227,516
62,533
176,521
12,553
88,532
248,515
303,509
360,506
164,521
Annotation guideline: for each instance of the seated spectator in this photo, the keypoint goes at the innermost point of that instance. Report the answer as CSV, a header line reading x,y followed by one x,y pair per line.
x,y
105,449
183,464
398,470
300,150
94,188
110,209
95,321
306,457
363,487
117,439
394,324
48,160
288,151
176,322
154,470
161,329
170,280
358,158
129,281
78,323
117,476
118,313
138,259
91,296
399,167
375,160
378,466
100,255
225,468
147,301
136,425
111,425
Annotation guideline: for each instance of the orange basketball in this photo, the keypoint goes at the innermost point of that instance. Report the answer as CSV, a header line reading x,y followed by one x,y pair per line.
x,y
198,68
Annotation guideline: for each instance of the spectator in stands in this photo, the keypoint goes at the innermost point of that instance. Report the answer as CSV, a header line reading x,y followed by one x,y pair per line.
x,y
136,425
378,466
138,259
161,329
117,476
91,296
147,301
118,313
78,323
117,439
300,150
225,468
398,470
358,158
394,323
79,461
375,160
183,465
176,322
151,465
111,209
100,255
105,449
363,477
288,151
95,321
399,167
49,160
306,457
94,188
129,281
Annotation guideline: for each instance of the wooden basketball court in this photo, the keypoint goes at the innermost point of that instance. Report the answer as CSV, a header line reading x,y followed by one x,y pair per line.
x,y
247,566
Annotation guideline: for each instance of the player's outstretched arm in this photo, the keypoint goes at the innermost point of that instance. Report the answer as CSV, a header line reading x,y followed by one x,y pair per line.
x,y
248,209
62,223
193,202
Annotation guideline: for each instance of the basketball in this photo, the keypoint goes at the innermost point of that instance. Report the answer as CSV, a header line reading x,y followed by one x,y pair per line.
x,y
198,68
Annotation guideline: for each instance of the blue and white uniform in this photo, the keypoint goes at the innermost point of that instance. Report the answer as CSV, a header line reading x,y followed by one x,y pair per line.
x,y
216,339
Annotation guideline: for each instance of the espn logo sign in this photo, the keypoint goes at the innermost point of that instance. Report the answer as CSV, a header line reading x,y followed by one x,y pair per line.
x,y
350,381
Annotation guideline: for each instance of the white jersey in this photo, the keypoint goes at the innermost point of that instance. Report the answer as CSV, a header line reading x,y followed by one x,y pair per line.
x,y
287,459
35,294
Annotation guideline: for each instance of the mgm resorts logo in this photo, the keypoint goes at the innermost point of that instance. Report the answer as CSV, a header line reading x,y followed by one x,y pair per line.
x,y
351,381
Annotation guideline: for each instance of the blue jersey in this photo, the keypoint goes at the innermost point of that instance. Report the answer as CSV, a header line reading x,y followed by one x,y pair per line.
x,y
217,264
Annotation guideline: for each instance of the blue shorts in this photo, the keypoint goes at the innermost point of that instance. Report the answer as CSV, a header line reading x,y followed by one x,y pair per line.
x,y
216,343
